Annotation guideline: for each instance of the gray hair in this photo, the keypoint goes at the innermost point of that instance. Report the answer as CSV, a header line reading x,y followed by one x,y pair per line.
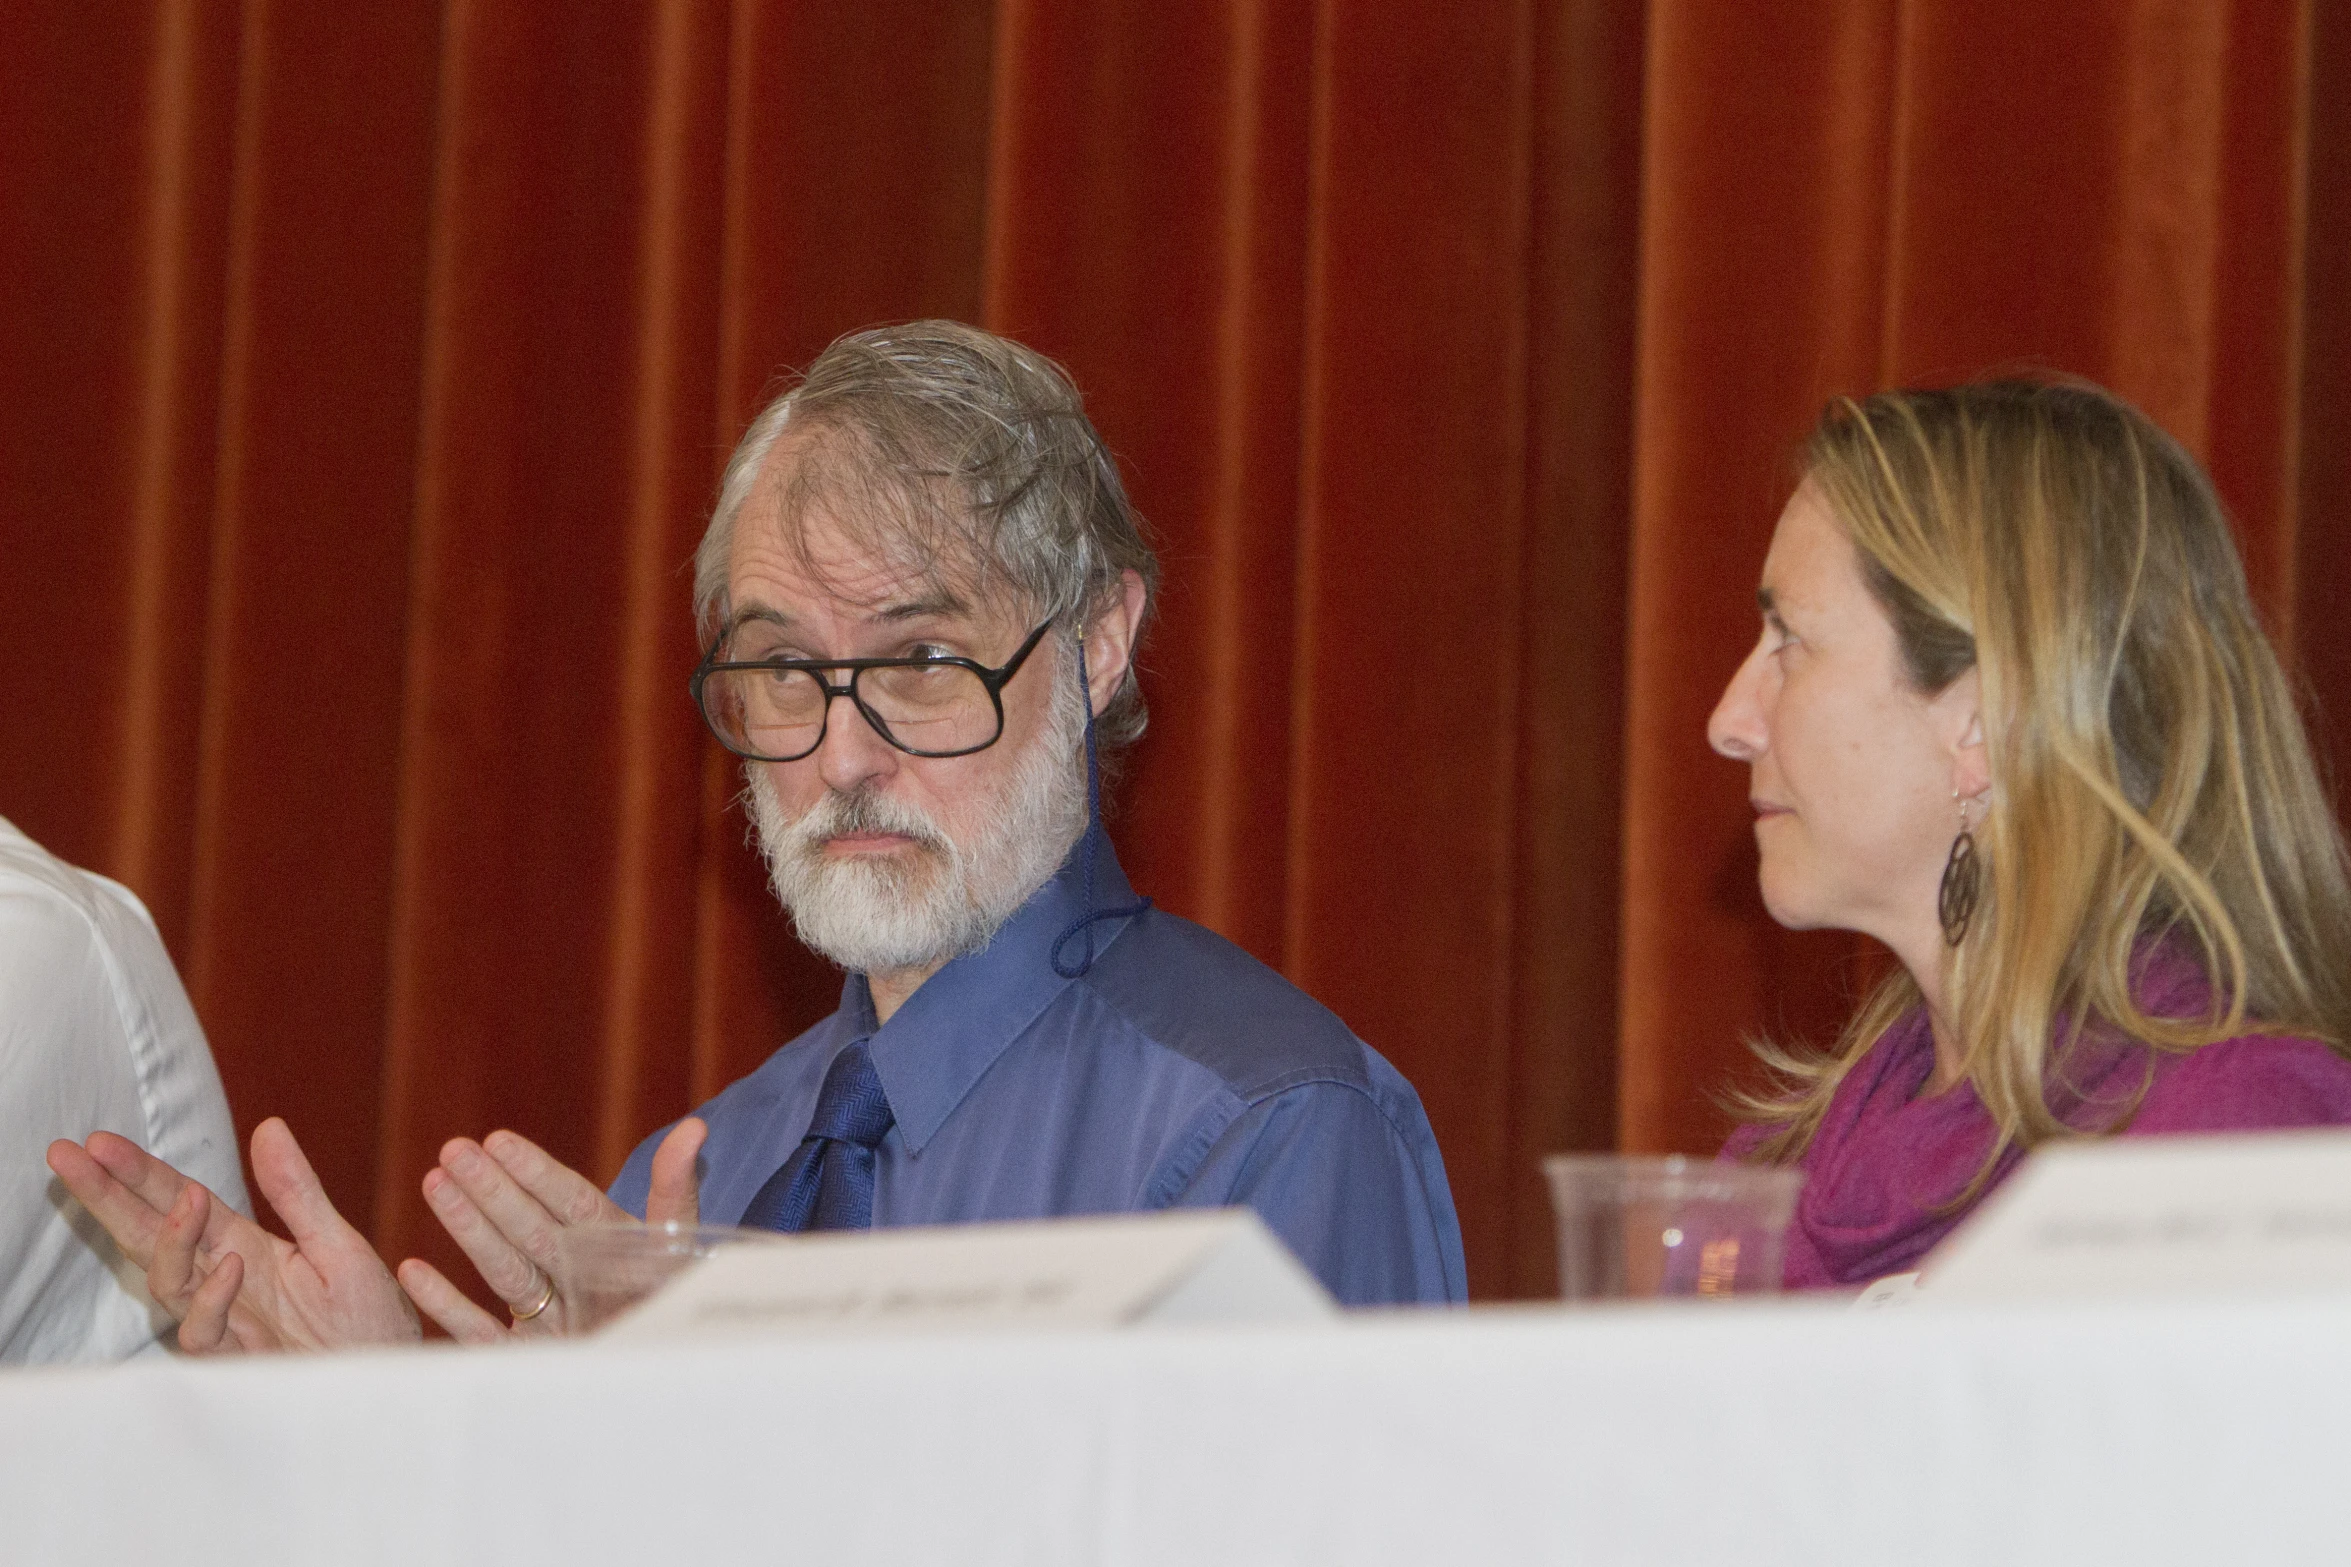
x,y
960,454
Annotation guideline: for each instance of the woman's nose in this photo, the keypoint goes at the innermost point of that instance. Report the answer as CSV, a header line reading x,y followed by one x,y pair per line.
x,y
1736,727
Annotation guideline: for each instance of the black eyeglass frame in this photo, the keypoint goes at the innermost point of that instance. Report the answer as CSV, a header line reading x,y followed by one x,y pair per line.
x,y
994,680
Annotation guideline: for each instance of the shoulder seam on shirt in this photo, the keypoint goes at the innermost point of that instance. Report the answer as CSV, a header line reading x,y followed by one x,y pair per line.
x,y
1255,1090
1232,1100
1178,1170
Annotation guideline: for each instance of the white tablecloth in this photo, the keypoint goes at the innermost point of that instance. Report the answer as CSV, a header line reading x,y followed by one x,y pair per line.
x,y
2139,1433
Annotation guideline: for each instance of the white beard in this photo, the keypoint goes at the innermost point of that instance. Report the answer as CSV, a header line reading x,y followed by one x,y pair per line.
x,y
875,915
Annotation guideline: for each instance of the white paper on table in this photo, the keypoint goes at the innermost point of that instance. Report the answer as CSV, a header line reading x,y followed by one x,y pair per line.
x,y
2256,1213
1220,1265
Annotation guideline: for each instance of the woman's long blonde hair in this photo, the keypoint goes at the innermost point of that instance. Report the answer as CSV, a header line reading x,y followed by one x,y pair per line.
x,y
2151,782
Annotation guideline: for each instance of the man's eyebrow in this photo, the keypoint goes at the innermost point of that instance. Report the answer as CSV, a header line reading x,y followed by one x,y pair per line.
x,y
757,612
939,603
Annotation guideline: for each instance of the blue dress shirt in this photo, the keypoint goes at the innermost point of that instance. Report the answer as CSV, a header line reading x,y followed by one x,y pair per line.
x,y
1178,1072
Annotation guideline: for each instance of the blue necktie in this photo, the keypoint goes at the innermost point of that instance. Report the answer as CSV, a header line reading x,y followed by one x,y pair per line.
x,y
827,1184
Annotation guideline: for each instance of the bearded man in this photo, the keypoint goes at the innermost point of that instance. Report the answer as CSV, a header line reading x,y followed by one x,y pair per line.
x,y
922,588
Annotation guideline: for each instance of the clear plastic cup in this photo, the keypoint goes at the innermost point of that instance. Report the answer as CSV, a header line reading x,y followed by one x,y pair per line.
x,y
601,1270
1633,1225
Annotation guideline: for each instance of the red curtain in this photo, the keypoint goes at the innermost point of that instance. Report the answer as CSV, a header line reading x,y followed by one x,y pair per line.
x,y
365,372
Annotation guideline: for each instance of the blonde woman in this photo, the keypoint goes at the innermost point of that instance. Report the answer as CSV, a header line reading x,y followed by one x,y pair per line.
x,y
2011,715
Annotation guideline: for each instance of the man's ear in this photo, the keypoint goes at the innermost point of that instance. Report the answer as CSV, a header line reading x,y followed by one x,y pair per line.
x,y
1971,764
1110,640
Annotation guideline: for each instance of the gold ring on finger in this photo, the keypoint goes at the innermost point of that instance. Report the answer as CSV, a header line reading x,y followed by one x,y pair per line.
x,y
546,1298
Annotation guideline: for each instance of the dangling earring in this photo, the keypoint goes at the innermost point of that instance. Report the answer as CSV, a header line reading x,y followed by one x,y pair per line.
x,y
1963,880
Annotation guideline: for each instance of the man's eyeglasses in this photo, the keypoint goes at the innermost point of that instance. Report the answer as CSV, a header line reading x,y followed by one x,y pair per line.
x,y
776,709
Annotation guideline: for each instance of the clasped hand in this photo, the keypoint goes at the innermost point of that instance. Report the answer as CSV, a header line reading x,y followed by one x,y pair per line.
x,y
234,1286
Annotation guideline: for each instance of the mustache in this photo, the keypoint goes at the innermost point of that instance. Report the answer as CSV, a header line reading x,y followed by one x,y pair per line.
x,y
863,810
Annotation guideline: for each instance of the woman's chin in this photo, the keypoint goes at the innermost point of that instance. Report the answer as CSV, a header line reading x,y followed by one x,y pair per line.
x,y
1789,910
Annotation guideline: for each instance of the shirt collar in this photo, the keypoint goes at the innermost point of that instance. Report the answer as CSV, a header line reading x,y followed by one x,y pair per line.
x,y
955,1025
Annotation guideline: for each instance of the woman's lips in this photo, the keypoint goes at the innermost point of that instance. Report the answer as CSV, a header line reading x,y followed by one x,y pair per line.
x,y
1764,809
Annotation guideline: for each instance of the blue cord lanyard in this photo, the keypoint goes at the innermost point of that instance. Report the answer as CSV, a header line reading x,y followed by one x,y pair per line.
x,y
1085,923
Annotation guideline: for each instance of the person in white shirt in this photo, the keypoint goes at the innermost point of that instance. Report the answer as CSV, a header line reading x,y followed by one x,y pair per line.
x,y
95,1034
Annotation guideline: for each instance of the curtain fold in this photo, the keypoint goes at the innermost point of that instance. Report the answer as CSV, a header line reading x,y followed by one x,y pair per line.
x,y
1567,845
170,442
300,707
2317,350
365,375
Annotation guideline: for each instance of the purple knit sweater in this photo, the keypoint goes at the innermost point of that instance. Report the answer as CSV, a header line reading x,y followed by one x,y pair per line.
x,y
1887,1158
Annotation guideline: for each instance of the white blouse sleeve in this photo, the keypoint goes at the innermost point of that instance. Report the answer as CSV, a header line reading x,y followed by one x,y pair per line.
x,y
95,1034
